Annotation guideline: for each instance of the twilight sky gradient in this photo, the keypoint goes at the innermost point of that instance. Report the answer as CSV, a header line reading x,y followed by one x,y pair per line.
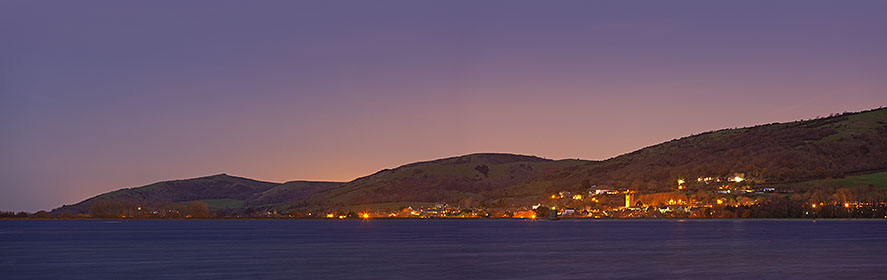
x,y
100,95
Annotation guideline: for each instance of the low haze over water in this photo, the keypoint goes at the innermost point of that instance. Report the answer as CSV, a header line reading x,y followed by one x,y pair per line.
x,y
443,249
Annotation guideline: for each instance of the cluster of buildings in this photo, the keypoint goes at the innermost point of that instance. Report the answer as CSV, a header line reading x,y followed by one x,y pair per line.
x,y
700,198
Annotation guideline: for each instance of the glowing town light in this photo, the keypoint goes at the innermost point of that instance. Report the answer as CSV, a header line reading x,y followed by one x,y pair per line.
x,y
680,181
813,205
738,179
365,216
720,201
680,187
330,215
846,205
533,216
577,197
341,216
554,196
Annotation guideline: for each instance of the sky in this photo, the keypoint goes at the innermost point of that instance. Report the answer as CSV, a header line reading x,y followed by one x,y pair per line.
x,y
100,95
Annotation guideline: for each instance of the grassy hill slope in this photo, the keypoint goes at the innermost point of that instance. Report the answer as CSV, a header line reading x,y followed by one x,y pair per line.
x,y
219,191
465,178
834,146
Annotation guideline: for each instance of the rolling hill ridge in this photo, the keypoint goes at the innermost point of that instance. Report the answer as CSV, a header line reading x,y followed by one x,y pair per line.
x,y
218,191
789,153
830,147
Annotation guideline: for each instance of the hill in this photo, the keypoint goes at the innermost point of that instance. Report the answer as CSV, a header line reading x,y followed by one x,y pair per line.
x,y
465,179
218,191
777,153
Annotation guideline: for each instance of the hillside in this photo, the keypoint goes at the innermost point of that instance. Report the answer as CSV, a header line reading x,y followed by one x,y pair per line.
x,y
289,192
834,146
465,179
218,191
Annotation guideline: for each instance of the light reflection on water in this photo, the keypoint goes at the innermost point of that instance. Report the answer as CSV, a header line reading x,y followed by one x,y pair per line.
x,y
443,249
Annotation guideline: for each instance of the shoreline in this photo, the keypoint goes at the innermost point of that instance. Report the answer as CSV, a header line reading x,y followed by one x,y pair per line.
x,y
445,219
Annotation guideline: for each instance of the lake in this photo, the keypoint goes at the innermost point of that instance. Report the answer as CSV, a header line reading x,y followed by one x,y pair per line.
x,y
443,249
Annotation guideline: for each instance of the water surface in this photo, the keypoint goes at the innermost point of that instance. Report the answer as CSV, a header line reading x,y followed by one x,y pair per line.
x,y
443,249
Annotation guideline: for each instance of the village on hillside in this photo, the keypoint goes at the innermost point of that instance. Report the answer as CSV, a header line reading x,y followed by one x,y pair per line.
x,y
701,197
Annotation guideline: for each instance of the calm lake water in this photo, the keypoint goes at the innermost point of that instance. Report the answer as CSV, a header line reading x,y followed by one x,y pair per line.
x,y
443,249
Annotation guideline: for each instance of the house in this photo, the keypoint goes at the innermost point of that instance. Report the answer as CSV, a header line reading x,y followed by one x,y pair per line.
x,y
603,191
568,212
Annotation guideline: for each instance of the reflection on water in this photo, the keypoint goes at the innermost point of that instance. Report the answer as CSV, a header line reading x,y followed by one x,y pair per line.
x,y
443,249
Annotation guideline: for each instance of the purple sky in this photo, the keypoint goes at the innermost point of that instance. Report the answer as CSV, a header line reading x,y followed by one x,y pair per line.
x,y
100,95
